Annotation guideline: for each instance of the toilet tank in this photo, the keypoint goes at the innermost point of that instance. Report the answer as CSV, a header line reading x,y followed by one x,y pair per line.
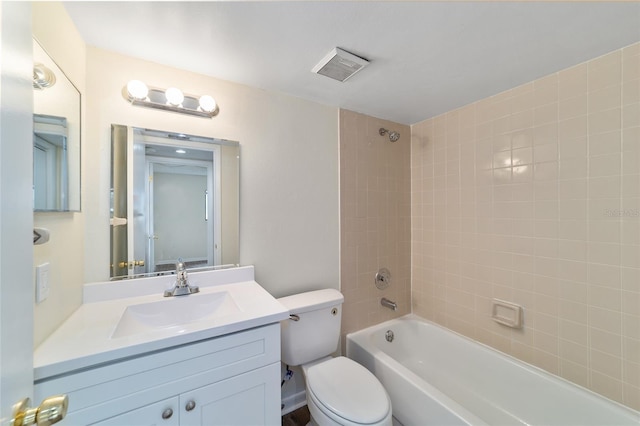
x,y
317,333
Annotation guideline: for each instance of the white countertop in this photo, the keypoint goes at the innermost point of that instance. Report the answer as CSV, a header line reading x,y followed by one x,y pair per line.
x,y
85,339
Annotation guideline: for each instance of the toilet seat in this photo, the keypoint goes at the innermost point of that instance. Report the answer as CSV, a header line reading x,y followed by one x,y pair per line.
x,y
347,392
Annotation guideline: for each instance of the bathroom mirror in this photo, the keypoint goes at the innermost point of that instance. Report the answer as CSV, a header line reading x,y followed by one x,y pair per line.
x,y
56,137
172,196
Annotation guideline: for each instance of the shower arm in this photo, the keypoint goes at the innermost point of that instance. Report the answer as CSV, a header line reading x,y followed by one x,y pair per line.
x,y
393,135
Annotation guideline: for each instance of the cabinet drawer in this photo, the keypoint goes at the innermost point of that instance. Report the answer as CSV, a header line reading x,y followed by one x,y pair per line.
x,y
163,413
97,393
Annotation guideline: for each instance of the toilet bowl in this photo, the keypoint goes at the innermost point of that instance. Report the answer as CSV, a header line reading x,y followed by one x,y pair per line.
x,y
339,390
342,392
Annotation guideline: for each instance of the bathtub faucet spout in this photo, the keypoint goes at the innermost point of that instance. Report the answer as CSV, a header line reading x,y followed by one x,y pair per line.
x,y
388,303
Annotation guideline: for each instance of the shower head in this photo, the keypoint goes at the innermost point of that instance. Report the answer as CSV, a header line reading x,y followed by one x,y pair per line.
x,y
393,135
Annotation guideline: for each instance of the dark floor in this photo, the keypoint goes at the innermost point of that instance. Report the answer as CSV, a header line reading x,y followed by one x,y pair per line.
x,y
299,417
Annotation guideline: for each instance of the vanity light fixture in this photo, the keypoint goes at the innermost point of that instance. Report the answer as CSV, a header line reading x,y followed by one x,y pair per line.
x,y
207,103
137,90
174,96
43,77
172,99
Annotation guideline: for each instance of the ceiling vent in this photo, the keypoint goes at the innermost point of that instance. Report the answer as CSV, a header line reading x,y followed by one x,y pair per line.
x,y
340,65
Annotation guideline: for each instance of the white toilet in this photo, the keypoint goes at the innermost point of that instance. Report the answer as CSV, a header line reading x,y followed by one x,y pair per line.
x,y
339,390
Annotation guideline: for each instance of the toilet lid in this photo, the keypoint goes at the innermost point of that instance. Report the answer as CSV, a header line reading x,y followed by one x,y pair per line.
x,y
349,390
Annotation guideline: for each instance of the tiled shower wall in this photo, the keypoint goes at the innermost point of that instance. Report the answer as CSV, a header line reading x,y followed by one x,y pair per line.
x,y
375,215
533,196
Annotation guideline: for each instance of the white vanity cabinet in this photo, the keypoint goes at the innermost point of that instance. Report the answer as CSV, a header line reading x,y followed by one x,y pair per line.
x,y
233,379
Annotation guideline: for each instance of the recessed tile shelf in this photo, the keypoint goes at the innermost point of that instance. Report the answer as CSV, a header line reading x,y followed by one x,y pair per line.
x,y
507,313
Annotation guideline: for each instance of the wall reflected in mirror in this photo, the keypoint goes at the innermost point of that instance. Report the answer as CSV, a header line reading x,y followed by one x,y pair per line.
x,y
172,196
56,137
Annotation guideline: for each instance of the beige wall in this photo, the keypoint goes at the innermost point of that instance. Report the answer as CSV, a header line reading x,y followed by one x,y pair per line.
x,y
289,171
533,196
374,218
288,168
56,33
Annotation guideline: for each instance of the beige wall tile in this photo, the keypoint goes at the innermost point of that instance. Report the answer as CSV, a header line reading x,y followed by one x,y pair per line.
x,y
631,395
605,71
575,373
572,82
573,107
631,62
604,121
375,214
631,91
572,148
548,200
606,342
545,90
606,364
572,128
606,98
631,372
607,386
631,115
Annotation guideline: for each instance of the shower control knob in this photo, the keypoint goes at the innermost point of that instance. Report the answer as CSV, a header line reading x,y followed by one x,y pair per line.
x,y
383,278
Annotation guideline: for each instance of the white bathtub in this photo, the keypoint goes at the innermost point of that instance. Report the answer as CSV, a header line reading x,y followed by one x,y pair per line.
x,y
437,377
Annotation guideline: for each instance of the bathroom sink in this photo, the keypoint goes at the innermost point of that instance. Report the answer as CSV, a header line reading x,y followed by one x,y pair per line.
x,y
174,312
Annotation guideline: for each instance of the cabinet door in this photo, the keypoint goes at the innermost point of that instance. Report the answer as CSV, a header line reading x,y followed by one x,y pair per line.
x,y
162,413
251,398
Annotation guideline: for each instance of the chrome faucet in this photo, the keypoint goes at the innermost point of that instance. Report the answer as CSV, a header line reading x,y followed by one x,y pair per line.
x,y
388,303
181,287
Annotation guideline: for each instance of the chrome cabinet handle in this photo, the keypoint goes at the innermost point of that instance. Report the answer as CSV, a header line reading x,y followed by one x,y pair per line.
x,y
190,405
166,414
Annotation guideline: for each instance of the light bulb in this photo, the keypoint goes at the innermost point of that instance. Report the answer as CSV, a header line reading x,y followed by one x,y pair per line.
x,y
207,103
137,89
174,96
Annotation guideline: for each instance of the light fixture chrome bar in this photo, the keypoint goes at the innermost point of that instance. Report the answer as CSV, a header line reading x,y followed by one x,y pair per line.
x,y
171,108
156,99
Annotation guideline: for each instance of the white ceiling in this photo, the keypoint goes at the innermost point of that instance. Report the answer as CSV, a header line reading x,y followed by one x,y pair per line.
x,y
426,57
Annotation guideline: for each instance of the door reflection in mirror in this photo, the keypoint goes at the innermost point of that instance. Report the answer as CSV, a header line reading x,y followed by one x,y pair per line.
x,y
178,217
50,163
172,196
